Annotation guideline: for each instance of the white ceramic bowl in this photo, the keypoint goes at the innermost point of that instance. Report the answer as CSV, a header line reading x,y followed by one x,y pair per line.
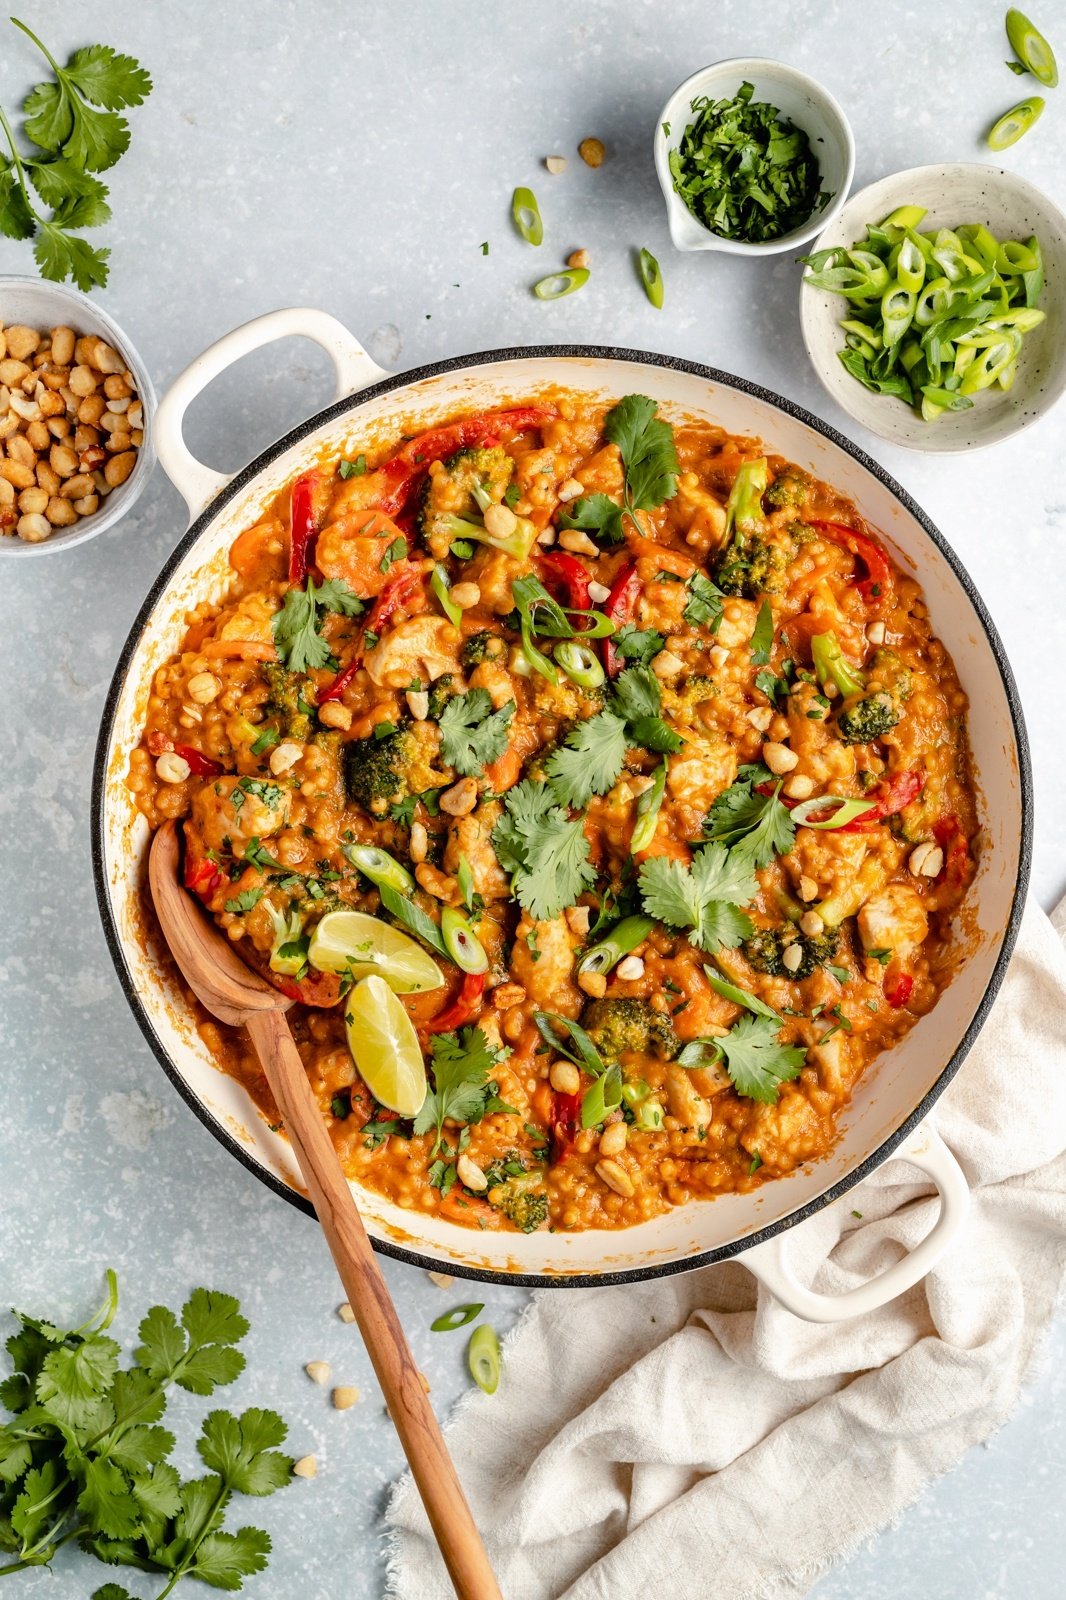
x,y
38,304
893,1096
803,101
951,194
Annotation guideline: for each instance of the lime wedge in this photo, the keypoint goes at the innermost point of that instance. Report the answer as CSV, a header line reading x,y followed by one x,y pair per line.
x,y
384,1046
353,940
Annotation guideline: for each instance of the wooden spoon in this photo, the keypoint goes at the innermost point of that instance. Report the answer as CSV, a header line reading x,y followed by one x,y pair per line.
x,y
233,993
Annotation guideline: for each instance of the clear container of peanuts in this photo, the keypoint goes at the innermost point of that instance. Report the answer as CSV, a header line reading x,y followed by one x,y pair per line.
x,y
76,408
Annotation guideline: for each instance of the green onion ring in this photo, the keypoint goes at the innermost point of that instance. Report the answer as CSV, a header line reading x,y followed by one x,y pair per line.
x,y
559,284
579,664
651,277
457,1317
527,217
483,1358
461,942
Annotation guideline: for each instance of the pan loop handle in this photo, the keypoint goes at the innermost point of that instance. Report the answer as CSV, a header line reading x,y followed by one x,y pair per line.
x,y
769,1260
199,484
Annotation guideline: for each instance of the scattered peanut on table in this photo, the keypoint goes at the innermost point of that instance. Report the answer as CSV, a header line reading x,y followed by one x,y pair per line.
x,y
71,424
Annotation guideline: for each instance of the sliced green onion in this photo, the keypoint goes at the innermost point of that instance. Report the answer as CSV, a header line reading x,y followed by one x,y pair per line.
x,y
1034,280
739,997
381,868
635,1093
1013,257
650,1117
584,1053
849,810
440,583
458,1317
910,265
904,217
651,277
536,658
621,941
461,942
526,214
1031,48
648,807
407,911
897,312
558,284
604,1096
980,240
946,399
594,624
483,1358
864,331
579,664
1016,122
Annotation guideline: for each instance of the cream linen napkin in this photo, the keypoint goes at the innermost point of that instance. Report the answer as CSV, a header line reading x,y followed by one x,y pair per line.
x,y
690,1437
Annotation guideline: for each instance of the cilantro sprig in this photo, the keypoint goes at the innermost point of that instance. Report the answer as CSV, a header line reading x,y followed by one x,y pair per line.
x,y
757,826
85,1456
754,1057
462,1091
546,853
705,897
296,627
76,124
650,467
472,735
592,755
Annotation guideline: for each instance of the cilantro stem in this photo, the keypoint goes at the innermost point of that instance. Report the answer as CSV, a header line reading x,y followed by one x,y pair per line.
x,y
48,56
211,1525
19,168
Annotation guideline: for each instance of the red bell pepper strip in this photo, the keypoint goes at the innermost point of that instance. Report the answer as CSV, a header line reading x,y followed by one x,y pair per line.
x,y
898,989
566,1115
201,875
951,839
890,798
399,588
303,530
200,766
877,585
573,574
463,1009
342,680
470,433
619,606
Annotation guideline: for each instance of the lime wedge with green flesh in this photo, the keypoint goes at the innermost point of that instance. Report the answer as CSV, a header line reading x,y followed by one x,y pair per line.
x,y
352,941
385,1047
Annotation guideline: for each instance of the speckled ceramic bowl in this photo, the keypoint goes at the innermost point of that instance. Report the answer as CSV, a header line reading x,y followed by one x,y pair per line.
x,y
38,304
951,195
892,1098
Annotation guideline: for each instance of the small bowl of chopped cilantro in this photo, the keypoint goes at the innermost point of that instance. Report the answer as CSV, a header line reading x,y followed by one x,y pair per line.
x,y
752,157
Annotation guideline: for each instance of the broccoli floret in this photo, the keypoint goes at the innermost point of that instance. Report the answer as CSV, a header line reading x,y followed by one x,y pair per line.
x,y
482,646
789,488
615,1026
375,770
440,692
286,700
464,487
889,684
518,1192
752,567
766,948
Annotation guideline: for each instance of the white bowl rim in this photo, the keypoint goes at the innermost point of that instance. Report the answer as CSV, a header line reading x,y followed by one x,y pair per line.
x,y
1016,181
305,431
769,67
130,491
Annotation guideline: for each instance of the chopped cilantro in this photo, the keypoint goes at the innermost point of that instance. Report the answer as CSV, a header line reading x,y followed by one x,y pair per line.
x,y
704,897
546,853
472,735
295,627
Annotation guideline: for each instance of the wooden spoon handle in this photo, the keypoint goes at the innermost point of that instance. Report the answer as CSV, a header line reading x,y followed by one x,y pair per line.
x,y
432,1467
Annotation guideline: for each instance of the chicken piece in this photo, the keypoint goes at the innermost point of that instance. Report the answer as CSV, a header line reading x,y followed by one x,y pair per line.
x,y
788,1133
700,772
493,572
420,647
699,513
472,837
542,961
893,920
684,1099
221,823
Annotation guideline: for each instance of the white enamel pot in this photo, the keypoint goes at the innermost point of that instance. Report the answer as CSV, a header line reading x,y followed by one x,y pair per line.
x,y
886,1116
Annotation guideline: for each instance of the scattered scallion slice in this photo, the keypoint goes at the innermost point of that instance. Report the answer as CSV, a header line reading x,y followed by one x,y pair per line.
x,y
483,1358
621,941
527,217
559,284
457,1317
651,277
461,942
648,807
381,868
1031,48
579,664
1016,122
440,584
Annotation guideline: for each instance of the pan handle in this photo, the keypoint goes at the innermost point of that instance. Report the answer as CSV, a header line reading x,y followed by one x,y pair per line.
x,y
769,1262
197,483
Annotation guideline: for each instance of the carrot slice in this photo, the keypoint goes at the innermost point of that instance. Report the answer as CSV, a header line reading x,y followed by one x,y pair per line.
x,y
244,649
353,549
249,550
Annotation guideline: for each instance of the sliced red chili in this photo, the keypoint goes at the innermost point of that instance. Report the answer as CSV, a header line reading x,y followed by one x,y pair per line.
x,y
572,574
463,1009
400,587
201,875
341,681
899,987
892,797
620,606
877,585
566,1117
303,530
200,766
949,836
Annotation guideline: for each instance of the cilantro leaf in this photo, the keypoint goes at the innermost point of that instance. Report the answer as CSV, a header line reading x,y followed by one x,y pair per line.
x,y
704,897
596,514
472,735
461,1066
704,608
646,445
59,255
547,853
756,1060
637,699
762,639
225,1559
637,644
16,218
241,1450
106,1500
200,1354
63,116
73,1379
107,78
756,825
589,761
295,627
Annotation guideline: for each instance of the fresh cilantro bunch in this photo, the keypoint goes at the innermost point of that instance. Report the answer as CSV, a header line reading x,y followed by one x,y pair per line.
x,y
755,826
649,461
472,735
297,626
705,897
85,1457
546,853
75,123
591,757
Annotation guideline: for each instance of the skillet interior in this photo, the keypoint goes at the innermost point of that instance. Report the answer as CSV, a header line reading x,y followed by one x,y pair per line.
x,y
893,1095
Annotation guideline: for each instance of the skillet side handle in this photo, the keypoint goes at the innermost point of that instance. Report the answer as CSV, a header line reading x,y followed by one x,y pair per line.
x,y
198,484
769,1262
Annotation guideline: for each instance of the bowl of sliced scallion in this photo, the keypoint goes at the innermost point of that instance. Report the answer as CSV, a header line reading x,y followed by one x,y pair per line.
x,y
933,306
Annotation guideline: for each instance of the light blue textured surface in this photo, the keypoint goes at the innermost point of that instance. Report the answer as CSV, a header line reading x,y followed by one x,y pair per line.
x,y
288,157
